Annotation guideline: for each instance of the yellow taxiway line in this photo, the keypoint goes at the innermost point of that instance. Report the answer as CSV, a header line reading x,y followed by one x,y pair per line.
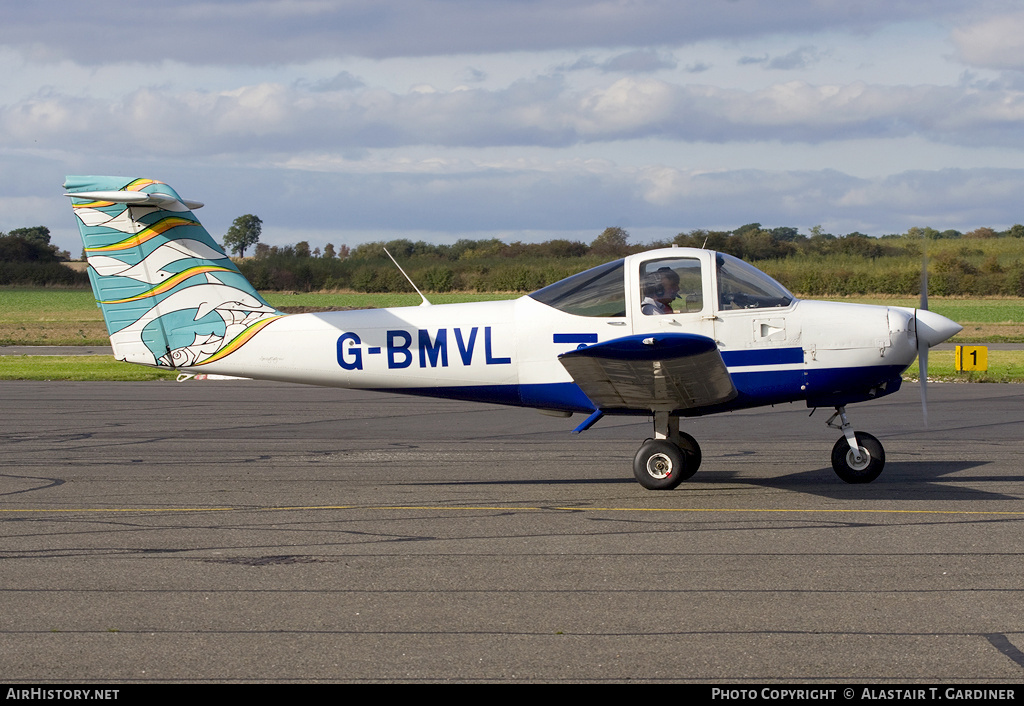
x,y
518,508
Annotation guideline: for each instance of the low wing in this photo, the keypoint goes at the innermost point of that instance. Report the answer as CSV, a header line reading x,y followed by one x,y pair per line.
x,y
665,372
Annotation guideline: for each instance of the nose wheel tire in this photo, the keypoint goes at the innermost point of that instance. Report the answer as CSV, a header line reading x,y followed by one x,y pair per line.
x,y
661,465
846,466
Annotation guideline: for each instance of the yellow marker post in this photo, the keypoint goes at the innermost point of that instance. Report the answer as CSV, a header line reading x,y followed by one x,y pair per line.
x,y
971,358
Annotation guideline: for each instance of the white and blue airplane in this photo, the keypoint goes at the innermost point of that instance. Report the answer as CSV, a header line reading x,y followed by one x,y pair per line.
x,y
669,333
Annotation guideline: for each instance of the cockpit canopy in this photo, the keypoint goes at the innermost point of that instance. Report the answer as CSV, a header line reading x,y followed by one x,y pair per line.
x,y
601,291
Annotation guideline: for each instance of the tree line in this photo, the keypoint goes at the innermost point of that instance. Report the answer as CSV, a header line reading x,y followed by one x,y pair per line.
x,y
978,262
983,261
28,258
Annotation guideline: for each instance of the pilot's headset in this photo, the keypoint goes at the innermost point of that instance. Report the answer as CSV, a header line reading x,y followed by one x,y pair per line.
x,y
654,282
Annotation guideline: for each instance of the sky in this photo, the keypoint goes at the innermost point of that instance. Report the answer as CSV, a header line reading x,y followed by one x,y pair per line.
x,y
363,120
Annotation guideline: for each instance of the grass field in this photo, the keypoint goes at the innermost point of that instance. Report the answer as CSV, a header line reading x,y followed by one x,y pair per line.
x,y
50,317
70,317
76,367
1003,366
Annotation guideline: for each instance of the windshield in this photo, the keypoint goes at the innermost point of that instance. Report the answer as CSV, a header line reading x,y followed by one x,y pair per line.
x,y
743,286
600,291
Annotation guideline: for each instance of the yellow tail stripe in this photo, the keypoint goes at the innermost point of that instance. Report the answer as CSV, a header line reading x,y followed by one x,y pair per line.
x,y
239,340
148,233
171,283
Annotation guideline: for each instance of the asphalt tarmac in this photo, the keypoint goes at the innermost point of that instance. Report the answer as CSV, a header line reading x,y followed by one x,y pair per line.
x,y
240,531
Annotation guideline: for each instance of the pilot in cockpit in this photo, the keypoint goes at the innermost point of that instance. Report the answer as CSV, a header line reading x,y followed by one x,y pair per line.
x,y
661,287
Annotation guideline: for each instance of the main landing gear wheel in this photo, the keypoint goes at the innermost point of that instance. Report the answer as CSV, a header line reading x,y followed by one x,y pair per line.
x,y
845,464
661,465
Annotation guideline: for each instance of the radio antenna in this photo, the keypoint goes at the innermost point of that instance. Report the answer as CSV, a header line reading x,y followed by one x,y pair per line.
x,y
425,302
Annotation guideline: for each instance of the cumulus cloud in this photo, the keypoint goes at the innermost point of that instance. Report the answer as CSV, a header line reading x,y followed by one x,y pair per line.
x,y
544,111
996,42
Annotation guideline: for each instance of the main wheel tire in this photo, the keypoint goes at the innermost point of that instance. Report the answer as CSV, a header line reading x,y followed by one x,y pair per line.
x,y
694,456
661,465
872,462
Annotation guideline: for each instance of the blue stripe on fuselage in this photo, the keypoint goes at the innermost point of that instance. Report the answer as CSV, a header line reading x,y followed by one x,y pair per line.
x,y
763,356
575,338
755,388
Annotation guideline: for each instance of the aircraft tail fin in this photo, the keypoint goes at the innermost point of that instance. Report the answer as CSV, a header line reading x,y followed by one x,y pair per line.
x,y
170,296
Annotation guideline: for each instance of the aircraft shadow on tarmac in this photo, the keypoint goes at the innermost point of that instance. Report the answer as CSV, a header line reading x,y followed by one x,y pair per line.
x,y
902,480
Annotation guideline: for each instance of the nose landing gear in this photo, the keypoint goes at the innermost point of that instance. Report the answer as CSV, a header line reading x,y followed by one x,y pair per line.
x,y
857,457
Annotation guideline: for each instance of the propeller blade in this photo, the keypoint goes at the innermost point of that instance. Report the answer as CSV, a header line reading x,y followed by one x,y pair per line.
x,y
922,364
922,342
924,280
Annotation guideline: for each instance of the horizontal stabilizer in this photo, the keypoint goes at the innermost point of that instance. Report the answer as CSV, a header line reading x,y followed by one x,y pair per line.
x,y
665,372
139,198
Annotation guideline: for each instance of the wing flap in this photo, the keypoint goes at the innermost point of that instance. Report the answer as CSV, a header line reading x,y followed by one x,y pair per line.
x,y
664,372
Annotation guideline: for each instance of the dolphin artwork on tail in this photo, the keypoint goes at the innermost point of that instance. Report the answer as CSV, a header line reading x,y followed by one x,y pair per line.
x,y
169,294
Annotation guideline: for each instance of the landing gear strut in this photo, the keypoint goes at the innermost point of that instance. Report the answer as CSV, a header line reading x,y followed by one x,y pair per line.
x,y
667,460
857,457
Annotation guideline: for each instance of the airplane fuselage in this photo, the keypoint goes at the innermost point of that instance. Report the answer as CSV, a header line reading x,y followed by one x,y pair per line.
x,y
507,351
